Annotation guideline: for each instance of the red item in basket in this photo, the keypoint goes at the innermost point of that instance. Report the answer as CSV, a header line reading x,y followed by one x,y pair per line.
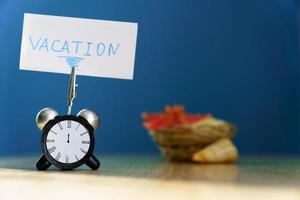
x,y
171,117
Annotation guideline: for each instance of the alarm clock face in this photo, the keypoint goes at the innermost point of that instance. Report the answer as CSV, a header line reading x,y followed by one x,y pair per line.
x,y
68,141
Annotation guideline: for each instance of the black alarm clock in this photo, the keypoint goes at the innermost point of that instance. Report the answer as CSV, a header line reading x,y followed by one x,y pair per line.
x,y
67,141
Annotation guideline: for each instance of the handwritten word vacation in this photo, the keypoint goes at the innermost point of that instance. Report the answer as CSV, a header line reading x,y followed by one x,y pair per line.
x,y
75,47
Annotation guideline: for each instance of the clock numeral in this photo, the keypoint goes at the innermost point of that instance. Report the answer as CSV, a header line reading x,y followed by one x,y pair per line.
x,y
53,132
69,123
58,156
67,159
76,157
83,133
83,151
50,141
60,126
77,126
85,142
52,149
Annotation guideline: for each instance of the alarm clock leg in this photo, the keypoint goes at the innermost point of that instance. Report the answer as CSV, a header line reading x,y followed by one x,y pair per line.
x,y
43,163
93,163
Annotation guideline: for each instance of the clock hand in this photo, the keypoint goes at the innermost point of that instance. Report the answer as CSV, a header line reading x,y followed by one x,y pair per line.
x,y
68,141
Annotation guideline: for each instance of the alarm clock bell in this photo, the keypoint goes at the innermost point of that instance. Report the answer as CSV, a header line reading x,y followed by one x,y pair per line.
x,y
47,114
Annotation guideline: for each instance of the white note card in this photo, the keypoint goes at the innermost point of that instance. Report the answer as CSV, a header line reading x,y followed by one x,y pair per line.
x,y
97,48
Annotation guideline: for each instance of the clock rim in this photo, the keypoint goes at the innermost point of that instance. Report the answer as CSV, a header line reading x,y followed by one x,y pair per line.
x,y
68,166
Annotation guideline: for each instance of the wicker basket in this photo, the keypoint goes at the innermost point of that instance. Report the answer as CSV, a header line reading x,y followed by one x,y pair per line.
x,y
180,143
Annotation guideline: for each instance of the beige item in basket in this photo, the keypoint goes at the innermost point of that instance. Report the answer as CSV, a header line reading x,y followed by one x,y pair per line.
x,y
212,129
221,151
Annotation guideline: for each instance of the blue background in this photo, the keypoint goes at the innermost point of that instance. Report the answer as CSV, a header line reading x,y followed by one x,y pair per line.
x,y
235,59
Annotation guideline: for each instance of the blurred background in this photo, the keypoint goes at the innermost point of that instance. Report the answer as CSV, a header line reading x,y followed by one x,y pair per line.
x,y
238,60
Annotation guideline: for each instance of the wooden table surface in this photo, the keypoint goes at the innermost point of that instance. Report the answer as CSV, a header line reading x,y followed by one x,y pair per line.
x,y
149,177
